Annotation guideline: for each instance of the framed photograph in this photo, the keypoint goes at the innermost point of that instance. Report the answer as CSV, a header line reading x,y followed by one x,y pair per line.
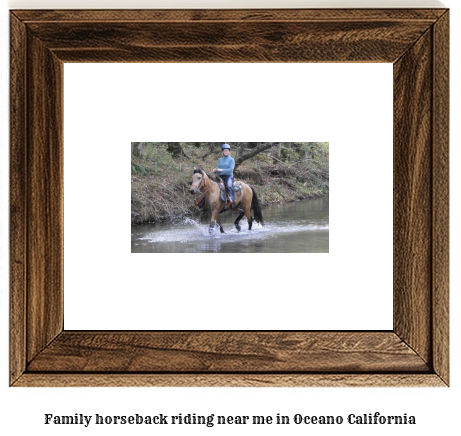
x,y
415,352
196,206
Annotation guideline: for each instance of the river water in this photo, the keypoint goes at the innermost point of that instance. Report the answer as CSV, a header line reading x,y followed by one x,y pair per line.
x,y
297,227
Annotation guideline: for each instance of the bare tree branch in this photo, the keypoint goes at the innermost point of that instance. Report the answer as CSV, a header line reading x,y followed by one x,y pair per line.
x,y
208,153
253,153
278,160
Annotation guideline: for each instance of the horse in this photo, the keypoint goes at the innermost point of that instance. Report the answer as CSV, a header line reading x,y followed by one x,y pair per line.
x,y
244,201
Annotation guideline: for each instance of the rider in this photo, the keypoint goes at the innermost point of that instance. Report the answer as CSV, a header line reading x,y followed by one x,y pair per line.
x,y
225,170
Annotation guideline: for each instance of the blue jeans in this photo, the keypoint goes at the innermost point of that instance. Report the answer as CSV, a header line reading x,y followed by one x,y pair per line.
x,y
228,183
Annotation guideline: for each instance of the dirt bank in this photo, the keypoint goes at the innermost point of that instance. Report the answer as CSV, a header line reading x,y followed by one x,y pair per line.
x,y
165,196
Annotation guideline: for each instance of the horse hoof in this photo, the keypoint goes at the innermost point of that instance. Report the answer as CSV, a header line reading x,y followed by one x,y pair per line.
x,y
238,227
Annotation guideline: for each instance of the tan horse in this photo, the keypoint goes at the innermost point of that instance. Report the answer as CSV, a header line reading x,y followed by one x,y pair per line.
x,y
244,200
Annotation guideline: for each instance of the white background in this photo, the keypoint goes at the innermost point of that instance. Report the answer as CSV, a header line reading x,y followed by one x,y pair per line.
x,y
109,105
436,410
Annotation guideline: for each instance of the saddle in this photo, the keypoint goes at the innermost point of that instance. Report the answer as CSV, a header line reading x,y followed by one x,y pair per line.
x,y
237,191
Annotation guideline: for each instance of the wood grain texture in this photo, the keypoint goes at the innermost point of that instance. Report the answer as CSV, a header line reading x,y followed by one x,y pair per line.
x,y
414,354
255,41
224,352
230,380
205,15
440,207
45,178
413,196
18,211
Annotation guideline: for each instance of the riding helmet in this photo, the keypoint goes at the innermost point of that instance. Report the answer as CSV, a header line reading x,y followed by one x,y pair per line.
x,y
225,146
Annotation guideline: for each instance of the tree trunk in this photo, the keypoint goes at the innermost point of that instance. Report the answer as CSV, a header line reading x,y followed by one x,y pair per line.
x,y
136,148
252,153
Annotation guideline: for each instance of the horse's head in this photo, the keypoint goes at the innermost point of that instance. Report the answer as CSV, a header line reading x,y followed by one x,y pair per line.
x,y
198,181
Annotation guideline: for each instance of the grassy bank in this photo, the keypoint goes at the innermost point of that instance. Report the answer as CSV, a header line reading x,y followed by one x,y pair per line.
x,y
160,187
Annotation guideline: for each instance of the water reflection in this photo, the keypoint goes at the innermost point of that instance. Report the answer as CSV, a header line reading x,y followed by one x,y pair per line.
x,y
298,227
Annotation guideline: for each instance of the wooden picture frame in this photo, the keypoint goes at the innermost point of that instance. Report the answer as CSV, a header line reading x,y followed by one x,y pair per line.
x,y
414,353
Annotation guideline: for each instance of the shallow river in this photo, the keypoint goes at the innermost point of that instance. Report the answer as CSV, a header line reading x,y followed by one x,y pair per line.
x,y
298,227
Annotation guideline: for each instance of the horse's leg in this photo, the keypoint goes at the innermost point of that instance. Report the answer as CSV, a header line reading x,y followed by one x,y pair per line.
x,y
220,226
247,208
236,222
248,215
214,219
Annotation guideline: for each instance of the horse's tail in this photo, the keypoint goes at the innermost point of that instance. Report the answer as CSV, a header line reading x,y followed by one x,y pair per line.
x,y
256,208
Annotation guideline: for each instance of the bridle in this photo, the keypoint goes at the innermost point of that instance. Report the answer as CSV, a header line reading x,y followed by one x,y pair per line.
x,y
202,184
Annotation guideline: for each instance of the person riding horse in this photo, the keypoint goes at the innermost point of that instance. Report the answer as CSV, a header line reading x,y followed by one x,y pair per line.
x,y
225,170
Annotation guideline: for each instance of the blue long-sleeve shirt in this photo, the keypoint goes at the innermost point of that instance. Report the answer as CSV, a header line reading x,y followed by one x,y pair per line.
x,y
227,164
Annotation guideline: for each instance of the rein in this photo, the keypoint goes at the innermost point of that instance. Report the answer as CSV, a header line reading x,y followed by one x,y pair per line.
x,y
201,186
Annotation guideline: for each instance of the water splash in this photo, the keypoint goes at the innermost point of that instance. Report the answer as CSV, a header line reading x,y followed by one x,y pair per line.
x,y
294,228
192,231
192,222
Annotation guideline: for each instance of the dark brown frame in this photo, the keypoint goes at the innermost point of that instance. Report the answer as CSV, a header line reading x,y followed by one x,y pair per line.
x,y
414,353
